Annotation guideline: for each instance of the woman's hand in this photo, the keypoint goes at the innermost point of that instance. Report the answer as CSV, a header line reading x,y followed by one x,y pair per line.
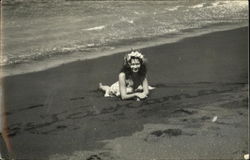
x,y
141,95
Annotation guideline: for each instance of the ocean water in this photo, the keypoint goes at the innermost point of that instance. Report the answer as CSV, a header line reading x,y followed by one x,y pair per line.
x,y
37,30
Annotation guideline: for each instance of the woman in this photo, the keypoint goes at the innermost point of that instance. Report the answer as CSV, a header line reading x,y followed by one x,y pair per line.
x,y
132,82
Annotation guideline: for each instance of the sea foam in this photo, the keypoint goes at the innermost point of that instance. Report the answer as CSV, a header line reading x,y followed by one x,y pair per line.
x,y
198,5
104,25
95,28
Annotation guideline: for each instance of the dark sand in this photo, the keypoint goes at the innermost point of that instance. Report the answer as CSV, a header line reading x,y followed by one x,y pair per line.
x,y
58,113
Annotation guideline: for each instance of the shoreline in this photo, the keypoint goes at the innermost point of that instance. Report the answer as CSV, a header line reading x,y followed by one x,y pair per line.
x,y
57,61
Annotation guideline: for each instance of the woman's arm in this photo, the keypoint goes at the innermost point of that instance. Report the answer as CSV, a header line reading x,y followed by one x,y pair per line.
x,y
122,87
145,86
145,91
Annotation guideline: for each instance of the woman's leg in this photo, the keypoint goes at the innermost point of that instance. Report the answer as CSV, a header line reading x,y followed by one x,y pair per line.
x,y
106,89
103,87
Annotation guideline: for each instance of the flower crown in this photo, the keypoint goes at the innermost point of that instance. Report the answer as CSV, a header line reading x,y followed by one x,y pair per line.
x,y
134,54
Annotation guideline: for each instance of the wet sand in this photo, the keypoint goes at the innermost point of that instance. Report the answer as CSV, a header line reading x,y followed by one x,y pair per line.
x,y
198,111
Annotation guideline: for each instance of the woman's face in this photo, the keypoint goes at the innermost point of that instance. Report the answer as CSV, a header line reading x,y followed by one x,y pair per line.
x,y
135,65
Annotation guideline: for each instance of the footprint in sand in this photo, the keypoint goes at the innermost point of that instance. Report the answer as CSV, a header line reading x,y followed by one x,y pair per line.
x,y
183,111
25,109
168,132
76,98
153,136
94,157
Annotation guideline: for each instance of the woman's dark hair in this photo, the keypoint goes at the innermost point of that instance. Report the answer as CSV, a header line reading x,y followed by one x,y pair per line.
x,y
128,72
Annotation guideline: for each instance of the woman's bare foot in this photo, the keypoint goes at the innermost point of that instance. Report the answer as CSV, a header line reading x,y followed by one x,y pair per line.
x,y
100,86
104,88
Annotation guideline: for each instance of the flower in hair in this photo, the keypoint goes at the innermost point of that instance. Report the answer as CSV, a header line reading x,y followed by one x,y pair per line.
x,y
135,54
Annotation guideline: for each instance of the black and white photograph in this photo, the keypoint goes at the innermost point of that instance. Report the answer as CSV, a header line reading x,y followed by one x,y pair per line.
x,y
124,80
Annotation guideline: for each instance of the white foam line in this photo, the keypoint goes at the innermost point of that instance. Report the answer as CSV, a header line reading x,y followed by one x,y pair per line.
x,y
215,4
198,6
94,28
174,8
214,119
136,12
127,20
236,3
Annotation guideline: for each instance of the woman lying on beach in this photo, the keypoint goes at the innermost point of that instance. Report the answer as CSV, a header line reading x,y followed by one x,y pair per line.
x,y
132,79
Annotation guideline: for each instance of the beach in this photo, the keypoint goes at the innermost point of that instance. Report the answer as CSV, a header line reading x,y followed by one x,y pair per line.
x,y
199,109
